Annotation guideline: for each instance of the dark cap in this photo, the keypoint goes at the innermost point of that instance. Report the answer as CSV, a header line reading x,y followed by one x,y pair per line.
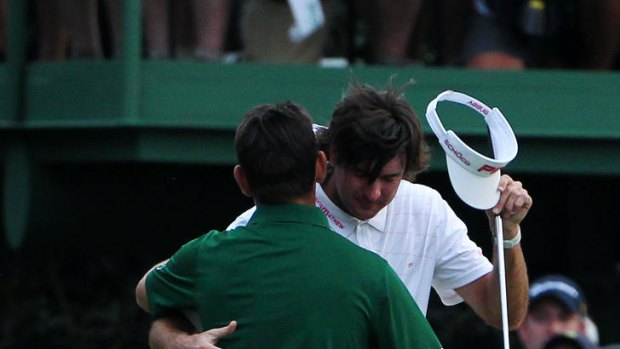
x,y
560,288
570,339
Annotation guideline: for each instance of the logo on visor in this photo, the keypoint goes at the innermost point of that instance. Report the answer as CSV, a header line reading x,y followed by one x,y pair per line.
x,y
488,168
479,107
456,153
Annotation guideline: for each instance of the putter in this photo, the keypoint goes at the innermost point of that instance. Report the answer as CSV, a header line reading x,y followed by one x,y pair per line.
x,y
499,233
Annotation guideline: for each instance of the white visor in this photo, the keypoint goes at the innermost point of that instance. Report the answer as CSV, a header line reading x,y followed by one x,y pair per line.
x,y
474,177
318,128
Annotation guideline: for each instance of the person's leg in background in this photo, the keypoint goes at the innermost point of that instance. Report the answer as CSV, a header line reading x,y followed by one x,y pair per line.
x,y
114,19
182,29
3,29
389,25
211,20
82,21
454,18
599,27
490,45
156,29
51,31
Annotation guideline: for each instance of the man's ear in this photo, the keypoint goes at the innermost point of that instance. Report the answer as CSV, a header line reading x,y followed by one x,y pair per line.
x,y
321,167
242,181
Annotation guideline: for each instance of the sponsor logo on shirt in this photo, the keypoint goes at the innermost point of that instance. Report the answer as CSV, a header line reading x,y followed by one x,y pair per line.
x,y
330,216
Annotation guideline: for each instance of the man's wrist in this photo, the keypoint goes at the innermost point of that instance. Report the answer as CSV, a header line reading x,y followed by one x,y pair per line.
x,y
511,243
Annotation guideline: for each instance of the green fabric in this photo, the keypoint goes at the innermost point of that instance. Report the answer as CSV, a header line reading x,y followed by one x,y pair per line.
x,y
290,282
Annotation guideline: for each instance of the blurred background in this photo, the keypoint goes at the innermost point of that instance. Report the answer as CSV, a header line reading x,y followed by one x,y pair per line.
x,y
117,122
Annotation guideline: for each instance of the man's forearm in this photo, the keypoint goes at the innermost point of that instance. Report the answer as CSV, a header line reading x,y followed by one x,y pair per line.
x,y
178,332
517,286
166,333
512,207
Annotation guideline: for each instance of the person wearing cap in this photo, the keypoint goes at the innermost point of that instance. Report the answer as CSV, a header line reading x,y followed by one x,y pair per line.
x,y
376,148
557,306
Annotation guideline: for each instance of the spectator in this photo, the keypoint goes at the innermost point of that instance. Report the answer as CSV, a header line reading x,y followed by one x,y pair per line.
x,y
398,31
156,29
557,305
389,27
83,22
511,34
198,28
3,28
211,20
52,31
286,278
600,34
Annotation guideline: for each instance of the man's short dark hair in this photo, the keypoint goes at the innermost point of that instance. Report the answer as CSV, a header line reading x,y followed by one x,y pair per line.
x,y
277,149
370,127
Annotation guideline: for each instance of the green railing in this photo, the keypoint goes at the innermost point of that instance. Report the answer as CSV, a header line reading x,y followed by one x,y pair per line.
x,y
184,112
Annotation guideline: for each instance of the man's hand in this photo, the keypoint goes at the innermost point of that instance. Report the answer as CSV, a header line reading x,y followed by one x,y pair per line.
x,y
514,204
208,339
173,333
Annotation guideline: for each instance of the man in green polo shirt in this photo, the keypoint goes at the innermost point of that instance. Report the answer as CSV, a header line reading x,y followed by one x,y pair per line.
x,y
286,279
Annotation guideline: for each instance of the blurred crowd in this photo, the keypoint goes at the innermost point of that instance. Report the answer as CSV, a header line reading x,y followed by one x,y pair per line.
x,y
486,34
558,317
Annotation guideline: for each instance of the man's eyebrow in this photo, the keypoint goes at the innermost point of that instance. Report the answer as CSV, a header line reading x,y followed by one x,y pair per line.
x,y
392,173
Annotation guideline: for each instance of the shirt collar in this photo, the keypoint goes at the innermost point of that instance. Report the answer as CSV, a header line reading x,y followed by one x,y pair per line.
x,y
288,213
342,220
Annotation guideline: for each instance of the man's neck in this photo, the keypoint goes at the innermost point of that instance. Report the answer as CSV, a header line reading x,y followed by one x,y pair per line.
x,y
308,199
329,188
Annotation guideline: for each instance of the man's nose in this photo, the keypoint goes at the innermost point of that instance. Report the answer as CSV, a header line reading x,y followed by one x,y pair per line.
x,y
373,191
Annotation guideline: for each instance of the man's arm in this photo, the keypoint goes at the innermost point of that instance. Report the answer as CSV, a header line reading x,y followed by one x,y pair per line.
x,y
141,297
483,294
177,332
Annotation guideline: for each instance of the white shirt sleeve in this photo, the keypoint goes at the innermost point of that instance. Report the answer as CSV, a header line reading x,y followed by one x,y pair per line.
x,y
460,260
243,219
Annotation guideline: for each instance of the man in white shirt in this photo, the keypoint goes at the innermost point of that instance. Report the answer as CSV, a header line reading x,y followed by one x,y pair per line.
x,y
376,147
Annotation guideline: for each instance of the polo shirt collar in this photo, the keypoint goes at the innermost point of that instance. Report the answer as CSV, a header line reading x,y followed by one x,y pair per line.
x,y
344,221
288,213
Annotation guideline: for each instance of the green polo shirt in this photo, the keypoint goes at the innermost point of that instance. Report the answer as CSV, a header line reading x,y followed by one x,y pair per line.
x,y
290,282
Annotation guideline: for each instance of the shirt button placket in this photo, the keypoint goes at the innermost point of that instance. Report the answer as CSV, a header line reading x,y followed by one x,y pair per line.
x,y
362,235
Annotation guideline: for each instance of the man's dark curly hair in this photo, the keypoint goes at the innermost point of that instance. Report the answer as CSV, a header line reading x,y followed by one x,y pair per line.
x,y
370,127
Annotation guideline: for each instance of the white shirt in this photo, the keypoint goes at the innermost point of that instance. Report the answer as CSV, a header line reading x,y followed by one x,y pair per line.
x,y
420,237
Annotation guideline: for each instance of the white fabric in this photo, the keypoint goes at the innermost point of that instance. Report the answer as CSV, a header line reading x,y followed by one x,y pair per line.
x,y
419,235
474,177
